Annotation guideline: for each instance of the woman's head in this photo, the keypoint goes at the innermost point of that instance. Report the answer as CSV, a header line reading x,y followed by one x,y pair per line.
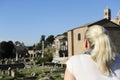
x,y
94,32
103,49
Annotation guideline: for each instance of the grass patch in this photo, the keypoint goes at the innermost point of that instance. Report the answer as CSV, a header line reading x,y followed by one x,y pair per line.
x,y
37,73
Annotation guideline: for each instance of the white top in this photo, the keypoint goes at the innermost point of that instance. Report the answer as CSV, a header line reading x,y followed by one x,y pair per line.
x,y
82,67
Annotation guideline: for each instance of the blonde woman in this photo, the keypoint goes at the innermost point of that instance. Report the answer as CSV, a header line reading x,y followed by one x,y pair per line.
x,y
100,61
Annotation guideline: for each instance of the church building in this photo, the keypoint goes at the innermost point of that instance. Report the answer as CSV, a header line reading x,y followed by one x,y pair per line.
x,y
76,35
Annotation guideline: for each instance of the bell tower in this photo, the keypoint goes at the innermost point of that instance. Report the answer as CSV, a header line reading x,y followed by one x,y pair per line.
x,y
107,14
118,18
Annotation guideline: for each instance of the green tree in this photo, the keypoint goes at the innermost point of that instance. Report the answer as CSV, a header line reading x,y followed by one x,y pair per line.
x,y
50,39
21,49
65,34
38,46
49,51
7,49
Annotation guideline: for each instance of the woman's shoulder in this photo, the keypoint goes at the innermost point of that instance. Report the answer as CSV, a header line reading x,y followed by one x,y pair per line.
x,y
80,57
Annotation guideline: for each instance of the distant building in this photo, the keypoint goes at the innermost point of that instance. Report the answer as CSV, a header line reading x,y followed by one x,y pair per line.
x,y
76,35
60,44
117,19
33,53
107,15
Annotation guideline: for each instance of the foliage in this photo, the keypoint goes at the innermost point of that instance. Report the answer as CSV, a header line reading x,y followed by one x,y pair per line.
x,y
65,33
49,53
47,56
41,73
7,49
21,49
38,46
40,60
50,40
56,77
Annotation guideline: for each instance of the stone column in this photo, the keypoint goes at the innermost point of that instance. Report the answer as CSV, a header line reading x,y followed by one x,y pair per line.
x,y
9,71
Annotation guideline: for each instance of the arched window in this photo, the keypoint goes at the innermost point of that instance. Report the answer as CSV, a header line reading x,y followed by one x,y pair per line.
x,y
105,13
79,36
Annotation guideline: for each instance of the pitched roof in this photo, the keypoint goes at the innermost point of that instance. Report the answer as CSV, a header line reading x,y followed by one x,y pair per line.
x,y
102,22
105,23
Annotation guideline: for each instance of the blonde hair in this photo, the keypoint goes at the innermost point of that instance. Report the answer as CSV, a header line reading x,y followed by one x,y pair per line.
x,y
103,50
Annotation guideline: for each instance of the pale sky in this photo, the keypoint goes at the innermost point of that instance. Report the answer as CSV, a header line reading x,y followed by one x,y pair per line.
x,y
27,20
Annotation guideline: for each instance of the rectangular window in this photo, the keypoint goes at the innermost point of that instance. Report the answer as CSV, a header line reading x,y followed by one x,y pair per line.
x,y
79,36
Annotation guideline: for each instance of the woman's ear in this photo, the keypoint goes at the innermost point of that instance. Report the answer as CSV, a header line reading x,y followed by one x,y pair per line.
x,y
86,44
